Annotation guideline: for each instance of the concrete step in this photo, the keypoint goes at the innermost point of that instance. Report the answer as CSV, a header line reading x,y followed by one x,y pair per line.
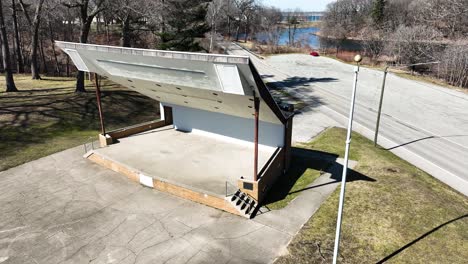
x,y
243,203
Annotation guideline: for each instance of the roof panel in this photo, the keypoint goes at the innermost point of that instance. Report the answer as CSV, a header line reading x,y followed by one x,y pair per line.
x,y
216,83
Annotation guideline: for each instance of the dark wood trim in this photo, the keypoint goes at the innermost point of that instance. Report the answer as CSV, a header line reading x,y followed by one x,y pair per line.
x,y
98,98
131,130
265,94
168,115
257,114
287,143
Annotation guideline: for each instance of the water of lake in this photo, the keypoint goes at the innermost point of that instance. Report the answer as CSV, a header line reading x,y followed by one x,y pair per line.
x,y
307,36
303,35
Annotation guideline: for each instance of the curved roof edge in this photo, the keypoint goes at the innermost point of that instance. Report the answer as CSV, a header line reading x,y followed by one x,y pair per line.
x,y
157,53
266,95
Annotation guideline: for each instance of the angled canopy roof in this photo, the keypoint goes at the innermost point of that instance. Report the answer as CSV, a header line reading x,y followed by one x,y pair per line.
x,y
212,82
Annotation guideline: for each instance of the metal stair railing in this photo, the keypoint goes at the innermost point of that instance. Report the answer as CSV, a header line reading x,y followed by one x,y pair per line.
x,y
233,187
90,144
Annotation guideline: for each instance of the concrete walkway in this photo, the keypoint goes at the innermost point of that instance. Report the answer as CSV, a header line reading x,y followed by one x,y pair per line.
x,y
65,209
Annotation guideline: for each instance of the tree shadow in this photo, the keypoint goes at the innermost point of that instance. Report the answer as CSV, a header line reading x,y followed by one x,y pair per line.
x,y
420,238
296,89
38,115
41,90
303,159
295,81
57,79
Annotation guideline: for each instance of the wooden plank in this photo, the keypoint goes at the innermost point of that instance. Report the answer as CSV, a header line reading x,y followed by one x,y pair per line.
x,y
191,195
127,131
132,175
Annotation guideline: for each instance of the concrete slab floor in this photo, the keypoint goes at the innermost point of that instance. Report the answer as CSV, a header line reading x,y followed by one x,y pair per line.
x,y
66,209
191,160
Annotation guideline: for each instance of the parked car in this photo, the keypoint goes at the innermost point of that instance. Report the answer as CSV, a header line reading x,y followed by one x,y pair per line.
x,y
314,53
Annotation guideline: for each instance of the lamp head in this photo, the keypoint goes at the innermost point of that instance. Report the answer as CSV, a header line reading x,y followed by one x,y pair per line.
x,y
358,58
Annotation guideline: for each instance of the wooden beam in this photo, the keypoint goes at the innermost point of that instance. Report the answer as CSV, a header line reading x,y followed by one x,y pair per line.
x,y
127,131
257,113
98,98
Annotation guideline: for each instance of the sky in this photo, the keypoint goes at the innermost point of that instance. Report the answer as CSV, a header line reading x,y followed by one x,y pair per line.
x,y
304,5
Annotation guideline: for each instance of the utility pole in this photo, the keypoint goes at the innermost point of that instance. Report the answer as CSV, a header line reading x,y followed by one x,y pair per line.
x,y
357,59
380,107
377,125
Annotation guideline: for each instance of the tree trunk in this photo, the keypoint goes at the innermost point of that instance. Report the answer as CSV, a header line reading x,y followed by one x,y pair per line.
x,y
163,19
229,27
98,28
126,32
294,34
10,82
84,32
213,31
34,45
68,66
80,82
51,36
34,25
237,32
246,30
18,53
43,57
106,26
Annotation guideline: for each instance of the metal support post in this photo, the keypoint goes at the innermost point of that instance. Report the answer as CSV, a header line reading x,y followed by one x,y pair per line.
x,y
98,97
257,110
380,107
345,168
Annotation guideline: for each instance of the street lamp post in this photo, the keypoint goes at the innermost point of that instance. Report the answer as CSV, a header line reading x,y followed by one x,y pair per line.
x,y
357,59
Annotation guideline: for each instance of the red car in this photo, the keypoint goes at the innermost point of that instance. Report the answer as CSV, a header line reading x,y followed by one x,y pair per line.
x,y
314,53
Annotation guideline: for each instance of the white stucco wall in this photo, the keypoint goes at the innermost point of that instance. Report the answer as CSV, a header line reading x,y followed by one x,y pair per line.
x,y
195,120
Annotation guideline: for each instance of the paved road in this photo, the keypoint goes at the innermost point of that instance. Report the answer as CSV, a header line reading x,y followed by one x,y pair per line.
x,y
425,124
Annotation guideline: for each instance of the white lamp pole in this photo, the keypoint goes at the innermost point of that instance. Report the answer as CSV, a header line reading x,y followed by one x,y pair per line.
x,y
357,59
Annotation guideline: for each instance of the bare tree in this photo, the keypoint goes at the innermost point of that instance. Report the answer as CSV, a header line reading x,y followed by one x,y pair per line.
x,y
415,44
448,16
454,64
243,7
87,11
52,20
214,11
34,23
18,50
271,17
373,41
10,82
347,15
293,21
130,15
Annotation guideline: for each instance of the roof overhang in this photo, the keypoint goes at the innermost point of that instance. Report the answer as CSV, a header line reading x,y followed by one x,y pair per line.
x,y
212,82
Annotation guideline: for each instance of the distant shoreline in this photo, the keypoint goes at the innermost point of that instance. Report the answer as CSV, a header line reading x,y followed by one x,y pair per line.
x,y
316,24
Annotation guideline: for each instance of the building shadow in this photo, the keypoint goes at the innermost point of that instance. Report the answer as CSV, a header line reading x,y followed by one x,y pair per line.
x,y
303,159
420,238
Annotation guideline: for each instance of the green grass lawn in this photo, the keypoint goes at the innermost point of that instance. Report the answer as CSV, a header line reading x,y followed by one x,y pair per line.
x,y
46,116
404,216
303,171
